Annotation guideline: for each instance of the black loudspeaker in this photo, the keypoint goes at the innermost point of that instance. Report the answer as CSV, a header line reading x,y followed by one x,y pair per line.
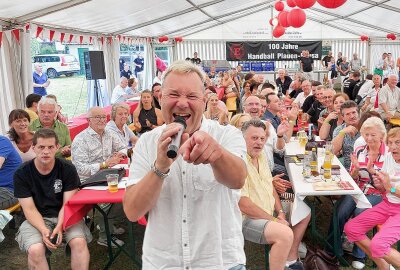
x,y
94,65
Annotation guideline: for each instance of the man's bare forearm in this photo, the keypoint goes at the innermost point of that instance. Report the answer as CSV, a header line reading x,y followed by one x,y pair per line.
x,y
142,197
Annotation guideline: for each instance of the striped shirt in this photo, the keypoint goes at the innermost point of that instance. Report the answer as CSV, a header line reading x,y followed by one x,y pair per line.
x,y
364,179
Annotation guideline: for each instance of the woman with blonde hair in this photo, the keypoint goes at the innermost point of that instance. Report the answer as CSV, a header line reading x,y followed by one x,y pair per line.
x,y
230,91
214,112
386,213
239,119
368,156
117,124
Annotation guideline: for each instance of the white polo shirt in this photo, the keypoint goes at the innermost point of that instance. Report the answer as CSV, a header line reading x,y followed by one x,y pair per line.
x,y
196,222
301,98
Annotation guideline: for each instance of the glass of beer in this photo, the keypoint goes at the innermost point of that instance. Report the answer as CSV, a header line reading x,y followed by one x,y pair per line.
x,y
112,182
303,139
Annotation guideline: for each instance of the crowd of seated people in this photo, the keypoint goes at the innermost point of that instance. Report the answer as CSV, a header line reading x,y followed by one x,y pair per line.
x,y
356,121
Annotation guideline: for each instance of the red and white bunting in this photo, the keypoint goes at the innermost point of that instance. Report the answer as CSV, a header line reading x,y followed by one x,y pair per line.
x,y
90,39
102,40
16,34
1,37
80,39
71,36
109,40
62,36
27,26
38,31
51,34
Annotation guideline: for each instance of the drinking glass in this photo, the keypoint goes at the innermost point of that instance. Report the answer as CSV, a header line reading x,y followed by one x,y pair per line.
x,y
112,182
303,139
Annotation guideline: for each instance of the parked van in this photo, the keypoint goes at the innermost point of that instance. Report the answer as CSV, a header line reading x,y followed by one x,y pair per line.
x,y
55,65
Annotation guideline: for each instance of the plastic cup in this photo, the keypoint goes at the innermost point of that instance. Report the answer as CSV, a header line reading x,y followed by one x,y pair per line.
x,y
112,182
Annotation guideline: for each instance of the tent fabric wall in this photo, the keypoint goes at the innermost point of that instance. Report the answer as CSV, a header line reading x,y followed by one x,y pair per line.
x,y
111,62
149,66
15,75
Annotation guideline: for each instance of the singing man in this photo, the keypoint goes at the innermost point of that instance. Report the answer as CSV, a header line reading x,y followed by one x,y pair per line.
x,y
194,219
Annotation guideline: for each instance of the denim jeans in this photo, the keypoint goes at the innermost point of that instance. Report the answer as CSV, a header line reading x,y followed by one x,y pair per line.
x,y
238,267
345,210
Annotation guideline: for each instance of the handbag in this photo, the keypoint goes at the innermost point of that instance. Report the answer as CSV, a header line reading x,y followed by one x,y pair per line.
x,y
100,178
320,260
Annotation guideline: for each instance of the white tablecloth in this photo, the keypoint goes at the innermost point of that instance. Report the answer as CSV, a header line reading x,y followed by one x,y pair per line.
x,y
302,189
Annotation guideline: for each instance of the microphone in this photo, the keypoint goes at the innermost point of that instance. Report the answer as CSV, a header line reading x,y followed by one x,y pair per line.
x,y
173,147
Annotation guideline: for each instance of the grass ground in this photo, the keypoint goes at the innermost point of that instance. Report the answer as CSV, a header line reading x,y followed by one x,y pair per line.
x,y
71,93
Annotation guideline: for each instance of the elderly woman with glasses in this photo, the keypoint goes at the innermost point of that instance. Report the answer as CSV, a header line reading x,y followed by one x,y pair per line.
x,y
367,158
386,213
118,126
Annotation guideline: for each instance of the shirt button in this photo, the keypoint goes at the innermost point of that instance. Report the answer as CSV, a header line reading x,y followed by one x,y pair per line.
x,y
187,267
185,245
183,172
184,221
184,196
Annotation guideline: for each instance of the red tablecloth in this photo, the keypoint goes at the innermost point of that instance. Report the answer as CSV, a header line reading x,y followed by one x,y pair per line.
x,y
79,123
82,202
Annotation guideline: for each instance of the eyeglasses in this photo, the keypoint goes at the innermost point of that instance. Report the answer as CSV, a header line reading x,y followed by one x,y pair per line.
x,y
327,97
98,117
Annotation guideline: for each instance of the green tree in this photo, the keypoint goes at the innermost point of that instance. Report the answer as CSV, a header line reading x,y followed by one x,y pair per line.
x,y
35,47
48,48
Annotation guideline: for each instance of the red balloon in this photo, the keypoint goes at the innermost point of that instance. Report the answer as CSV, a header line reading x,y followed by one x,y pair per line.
x,y
278,31
331,3
270,21
163,38
393,37
291,3
282,18
305,3
364,38
296,17
389,36
279,6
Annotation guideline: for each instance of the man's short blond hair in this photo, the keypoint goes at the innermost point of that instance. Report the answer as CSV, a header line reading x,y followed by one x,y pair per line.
x,y
185,67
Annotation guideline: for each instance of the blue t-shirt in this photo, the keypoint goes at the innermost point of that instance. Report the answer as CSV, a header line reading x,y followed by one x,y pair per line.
x,y
39,80
10,165
139,61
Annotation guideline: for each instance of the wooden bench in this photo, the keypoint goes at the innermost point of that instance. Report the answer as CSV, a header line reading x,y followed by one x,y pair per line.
x,y
15,207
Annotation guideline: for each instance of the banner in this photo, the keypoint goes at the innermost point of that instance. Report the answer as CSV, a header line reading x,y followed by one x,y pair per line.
x,y
272,50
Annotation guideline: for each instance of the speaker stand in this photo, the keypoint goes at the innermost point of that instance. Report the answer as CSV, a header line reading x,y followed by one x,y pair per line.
x,y
97,92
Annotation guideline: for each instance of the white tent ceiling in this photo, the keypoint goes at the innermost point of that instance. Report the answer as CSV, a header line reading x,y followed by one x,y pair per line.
x,y
194,19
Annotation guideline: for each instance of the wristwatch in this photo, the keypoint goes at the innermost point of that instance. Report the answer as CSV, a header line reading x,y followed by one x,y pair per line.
x,y
158,172
281,211
393,190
